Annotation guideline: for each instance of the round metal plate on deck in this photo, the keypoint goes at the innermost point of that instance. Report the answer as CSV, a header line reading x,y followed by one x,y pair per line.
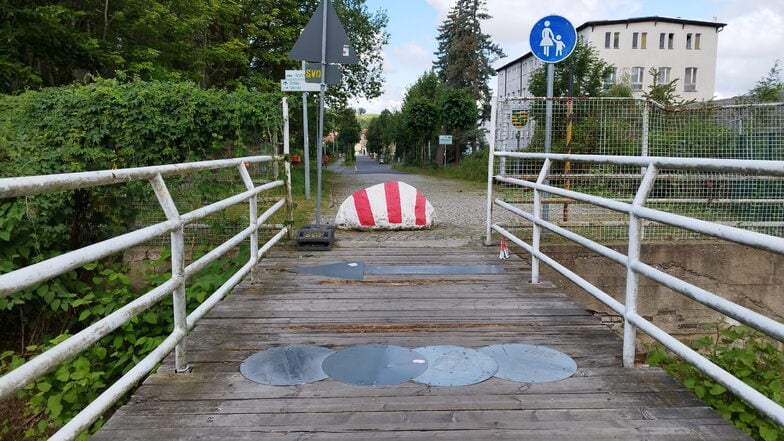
x,y
286,365
374,365
530,364
455,366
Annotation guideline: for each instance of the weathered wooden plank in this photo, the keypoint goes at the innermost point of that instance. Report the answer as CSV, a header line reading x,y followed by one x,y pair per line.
x,y
706,432
601,401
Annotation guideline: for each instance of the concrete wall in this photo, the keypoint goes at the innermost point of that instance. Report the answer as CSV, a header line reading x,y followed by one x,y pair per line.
x,y
749,277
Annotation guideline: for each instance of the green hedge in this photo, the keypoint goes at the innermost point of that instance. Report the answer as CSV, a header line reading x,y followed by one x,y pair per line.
x,y
103,125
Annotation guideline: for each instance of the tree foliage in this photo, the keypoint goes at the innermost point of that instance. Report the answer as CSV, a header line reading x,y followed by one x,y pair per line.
x,y
465,53
429,107
220,44
665,93
769,89
584,69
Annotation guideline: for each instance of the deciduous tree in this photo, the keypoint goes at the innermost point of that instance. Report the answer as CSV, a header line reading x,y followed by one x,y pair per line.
x,y
584,68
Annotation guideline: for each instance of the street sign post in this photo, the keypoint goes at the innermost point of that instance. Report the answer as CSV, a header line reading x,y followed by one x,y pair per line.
x,y
323,40
552,39
445,139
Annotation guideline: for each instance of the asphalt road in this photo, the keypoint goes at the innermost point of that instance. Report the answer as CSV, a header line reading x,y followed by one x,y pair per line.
x,y
364,166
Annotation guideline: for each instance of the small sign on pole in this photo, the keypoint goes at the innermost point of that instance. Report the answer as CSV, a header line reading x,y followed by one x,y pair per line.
x,y
298,86
445,139
519,118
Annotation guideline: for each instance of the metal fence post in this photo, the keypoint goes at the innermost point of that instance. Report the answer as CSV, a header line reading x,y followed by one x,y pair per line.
x,y
490,169
179,300
537,230
253,218
632,278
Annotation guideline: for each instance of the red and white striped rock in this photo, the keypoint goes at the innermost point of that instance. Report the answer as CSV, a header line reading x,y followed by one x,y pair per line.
x,y
392,205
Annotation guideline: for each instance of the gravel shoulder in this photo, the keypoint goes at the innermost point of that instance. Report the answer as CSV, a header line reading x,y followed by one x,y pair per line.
x,y
460,210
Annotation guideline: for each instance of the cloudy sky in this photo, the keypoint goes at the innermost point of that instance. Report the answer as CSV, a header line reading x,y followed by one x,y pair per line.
x,y
748,46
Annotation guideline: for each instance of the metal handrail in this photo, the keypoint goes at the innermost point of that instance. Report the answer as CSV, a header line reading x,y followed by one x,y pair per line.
x,y
638,213
174,225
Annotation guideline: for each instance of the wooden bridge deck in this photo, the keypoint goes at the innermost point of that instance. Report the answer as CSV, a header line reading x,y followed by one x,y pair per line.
x,y
215,402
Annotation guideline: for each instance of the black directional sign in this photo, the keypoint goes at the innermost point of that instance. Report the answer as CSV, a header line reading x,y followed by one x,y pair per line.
x,y
338,49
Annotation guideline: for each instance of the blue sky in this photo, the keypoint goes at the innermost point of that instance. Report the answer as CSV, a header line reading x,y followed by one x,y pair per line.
x,y
742,58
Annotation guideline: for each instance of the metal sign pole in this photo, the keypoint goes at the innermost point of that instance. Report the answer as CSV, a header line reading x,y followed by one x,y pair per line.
x,y
320,152
548,130
305,140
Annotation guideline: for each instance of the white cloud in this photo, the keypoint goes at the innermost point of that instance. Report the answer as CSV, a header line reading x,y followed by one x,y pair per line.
x,y
411,55
748,46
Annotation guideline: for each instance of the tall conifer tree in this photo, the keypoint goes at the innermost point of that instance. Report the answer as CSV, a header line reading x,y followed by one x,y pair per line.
x,y
465,53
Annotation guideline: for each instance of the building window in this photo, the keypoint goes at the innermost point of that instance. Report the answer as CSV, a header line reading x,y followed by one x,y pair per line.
x,y
637,75
616,40
635,40
670,41
644,40
697,41
662,39
663,75
690,80
688,41
609,81
607,36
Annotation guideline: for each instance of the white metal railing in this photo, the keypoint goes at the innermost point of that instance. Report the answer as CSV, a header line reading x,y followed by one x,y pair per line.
x,y
638,213
174,225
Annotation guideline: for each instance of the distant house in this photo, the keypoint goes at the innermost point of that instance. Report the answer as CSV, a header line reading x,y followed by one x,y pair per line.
x,y
675,48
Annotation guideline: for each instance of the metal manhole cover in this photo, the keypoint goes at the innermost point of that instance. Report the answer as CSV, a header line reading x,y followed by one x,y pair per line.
x,y
449,365
530,364
374,365
286,365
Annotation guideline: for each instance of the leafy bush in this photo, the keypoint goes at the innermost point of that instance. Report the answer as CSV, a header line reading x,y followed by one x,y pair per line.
x,y
747,354
52,400
104,125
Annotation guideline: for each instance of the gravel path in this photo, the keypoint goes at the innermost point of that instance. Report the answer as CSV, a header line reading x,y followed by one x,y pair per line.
x,y
460,209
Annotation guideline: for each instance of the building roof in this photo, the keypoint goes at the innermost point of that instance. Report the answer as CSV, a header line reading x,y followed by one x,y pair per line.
x,y
718,26
655,19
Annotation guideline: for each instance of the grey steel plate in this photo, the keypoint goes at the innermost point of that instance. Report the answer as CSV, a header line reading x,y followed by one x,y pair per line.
x,y
286,365
433,269
374,365
343,270
450,365
529,363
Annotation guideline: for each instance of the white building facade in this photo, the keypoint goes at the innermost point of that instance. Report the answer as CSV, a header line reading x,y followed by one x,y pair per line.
x,y
673,47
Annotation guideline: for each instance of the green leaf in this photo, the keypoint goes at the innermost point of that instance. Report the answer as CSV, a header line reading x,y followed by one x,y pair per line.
x,y
717,390
83,316
768,434
44,386
54,406
100,352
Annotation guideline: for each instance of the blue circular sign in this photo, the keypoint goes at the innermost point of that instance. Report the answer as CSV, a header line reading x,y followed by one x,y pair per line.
x,y
552,39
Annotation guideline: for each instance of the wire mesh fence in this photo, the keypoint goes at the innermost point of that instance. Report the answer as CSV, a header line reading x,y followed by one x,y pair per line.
x,y
632,127
195,191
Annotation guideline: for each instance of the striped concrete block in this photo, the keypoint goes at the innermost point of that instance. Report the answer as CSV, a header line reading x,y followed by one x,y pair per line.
x,y
392,205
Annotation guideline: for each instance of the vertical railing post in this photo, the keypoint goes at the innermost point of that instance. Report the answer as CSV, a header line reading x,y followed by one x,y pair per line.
x,y
537,230
179,300
632,278
287,165
490,170
253,220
